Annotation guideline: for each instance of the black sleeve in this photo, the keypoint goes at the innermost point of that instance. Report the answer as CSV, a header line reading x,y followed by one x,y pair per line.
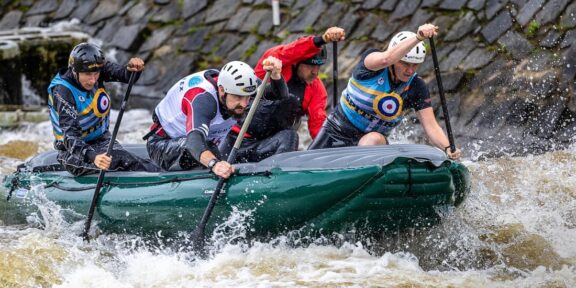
x,y
68,120
200,110
418,95
112,72
196,144
361,72
277,90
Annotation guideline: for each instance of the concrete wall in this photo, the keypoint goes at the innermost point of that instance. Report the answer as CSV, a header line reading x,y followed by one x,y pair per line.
x,y
508,65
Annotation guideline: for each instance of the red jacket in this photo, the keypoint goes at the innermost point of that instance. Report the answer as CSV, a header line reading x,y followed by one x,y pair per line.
x,y
315,95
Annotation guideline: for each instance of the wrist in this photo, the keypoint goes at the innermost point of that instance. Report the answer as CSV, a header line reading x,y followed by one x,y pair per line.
x,y
211,164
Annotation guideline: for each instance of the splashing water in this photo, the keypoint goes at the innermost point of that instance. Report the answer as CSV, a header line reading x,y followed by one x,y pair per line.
x,y
516,229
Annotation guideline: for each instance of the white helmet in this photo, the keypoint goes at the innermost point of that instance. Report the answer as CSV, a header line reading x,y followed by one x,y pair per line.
x,y
238,78
416,55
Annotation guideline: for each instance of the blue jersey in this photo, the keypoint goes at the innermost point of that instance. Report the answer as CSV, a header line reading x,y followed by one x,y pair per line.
x,y
373,103
92,108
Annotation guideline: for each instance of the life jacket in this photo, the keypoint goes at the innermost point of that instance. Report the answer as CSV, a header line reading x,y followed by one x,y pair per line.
x,y
92,108
372,105
172,118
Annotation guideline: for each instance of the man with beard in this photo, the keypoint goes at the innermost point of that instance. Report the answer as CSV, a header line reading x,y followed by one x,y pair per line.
x,y
273,128
198,112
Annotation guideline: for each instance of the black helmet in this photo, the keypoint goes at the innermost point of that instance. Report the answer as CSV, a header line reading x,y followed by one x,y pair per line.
x,y
86,57
318,59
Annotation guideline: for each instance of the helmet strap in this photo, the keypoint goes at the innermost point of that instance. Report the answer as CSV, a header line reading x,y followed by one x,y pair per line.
x,y
393,72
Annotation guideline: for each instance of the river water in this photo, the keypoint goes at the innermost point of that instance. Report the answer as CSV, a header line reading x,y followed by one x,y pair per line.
x,y
516,229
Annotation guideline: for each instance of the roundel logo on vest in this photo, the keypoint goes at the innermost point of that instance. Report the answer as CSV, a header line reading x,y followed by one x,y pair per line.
x,y
388,106
103,103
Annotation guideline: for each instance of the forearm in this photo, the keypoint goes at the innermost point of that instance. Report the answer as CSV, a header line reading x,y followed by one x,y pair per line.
x,y
380,60
196,145
277,90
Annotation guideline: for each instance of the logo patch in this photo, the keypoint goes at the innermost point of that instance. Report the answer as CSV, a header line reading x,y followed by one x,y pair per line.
x,y
249,89
102,103
194,81
388,106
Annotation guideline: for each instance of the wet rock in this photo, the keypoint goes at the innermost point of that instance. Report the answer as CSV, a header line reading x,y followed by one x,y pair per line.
x,y
238,19
84,9
11,20
104,10
254,20
191,7
167,13
569,39
388,5
35,21
370,4
383,31
455,57
237,52
110,29
332,16
43,7
127,37
527,12
493,6
228,44
551,10
464,26
568,19
453,4
405,8
262,47
478,58
420,17
192,24
307,17
162,2
476,4
516,45
157,38
66,7
552,39
221,10
450,82
138,13
429,3
266,26
349,22
368,23
498,26
196,40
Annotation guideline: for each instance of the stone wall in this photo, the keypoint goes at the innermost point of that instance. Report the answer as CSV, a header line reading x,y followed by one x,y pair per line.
x,y
508,66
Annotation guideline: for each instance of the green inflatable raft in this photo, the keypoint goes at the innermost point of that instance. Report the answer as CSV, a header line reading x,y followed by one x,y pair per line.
x,y
328,190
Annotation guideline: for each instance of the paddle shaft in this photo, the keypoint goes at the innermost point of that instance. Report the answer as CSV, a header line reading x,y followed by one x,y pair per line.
x,y
198,234
442,97
335,73
108,152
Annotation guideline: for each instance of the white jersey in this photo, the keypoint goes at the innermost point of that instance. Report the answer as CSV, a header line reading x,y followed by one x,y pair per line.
x,y
171,115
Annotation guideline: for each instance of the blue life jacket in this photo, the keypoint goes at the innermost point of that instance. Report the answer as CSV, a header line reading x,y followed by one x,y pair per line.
x,y
371,105
92,108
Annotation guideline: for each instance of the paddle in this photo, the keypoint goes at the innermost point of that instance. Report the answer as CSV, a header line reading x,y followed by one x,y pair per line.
x,y
442,98
108,152
335,72
198,233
